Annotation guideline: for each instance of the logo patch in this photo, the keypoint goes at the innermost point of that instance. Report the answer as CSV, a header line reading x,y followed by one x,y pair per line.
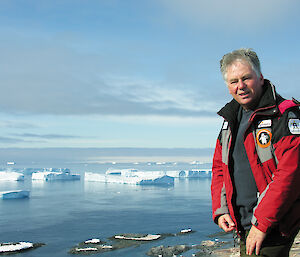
x,y
263,138
294,126
225,125
265,124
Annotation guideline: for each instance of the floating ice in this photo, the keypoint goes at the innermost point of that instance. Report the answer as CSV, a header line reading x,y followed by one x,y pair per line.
x,y
11,176
136,178
54,174
14,194
194,173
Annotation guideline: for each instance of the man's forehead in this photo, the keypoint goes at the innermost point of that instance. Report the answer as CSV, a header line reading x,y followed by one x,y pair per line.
x,y
238,67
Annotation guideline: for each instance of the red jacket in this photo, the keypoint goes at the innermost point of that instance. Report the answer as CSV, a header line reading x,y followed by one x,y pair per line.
x,y
272,143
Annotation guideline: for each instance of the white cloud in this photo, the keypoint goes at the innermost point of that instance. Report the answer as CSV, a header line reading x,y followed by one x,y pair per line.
x,y
43,79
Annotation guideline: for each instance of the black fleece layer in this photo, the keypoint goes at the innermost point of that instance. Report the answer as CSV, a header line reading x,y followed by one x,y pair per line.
x,y
246,189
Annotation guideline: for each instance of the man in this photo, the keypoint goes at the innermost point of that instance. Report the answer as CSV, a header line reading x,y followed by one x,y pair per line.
x,y
256,166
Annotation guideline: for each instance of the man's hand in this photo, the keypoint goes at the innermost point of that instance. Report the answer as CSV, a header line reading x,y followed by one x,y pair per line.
x,y
254,240
225,222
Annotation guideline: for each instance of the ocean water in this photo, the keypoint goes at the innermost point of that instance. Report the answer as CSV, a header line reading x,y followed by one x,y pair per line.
x,y
64,213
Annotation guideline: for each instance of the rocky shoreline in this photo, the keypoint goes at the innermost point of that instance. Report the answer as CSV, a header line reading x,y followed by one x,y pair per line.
x,y
213,248
235,252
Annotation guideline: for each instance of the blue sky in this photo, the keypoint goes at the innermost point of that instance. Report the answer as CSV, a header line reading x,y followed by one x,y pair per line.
x,y
136,73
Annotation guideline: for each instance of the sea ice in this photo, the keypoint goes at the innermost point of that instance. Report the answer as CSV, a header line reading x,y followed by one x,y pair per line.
x,y
135,178
171,173
16,194
54,174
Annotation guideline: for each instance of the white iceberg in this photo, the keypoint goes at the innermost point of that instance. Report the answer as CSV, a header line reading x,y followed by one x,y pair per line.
x,y
135,178
201,173
14,194
54,174
11,176
194,173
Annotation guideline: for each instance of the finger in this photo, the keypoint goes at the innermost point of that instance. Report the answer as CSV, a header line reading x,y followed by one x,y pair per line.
x,y
257,248
249,246
230,222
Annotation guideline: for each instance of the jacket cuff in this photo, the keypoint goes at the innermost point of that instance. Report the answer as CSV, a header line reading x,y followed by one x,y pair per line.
x,y
260,226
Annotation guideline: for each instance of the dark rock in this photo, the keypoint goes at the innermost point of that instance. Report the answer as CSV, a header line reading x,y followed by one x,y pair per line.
x,y
168,251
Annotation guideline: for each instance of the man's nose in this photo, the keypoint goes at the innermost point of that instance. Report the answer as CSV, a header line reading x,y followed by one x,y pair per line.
x,y
241,84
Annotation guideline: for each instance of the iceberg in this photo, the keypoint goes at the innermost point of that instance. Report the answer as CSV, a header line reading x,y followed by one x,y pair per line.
x,y
11,176
54,174
171,173
14,194
194,173
135,178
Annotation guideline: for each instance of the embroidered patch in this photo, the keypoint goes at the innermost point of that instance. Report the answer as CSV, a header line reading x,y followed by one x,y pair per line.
x,y
294,126
225,125
265,124
263,138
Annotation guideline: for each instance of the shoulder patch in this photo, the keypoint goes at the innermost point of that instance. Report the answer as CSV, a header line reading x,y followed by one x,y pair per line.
x,y
263,138
225,125
264,124
294,126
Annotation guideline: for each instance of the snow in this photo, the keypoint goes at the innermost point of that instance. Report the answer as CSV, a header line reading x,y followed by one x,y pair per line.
x,y
93,241
188,230
14,194
148,237
135,178
9,247
11,176
87,249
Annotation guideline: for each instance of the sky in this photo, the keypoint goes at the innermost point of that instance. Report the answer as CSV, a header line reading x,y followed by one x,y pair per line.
x,y
135,73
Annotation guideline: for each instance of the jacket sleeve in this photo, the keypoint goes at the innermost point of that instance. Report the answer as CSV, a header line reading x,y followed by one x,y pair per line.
x,y
218,193
280,199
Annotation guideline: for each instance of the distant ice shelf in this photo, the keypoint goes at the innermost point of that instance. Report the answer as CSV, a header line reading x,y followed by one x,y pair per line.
x,y
194,173
14,194
11,176
136,179
54,174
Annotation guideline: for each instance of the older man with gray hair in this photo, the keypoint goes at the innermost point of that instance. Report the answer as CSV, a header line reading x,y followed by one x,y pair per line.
x,y
256,165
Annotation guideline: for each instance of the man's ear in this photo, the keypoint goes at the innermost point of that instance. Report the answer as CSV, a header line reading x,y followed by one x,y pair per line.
x,y
261,78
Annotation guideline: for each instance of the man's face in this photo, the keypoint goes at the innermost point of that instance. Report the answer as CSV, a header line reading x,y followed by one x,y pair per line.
x,y
243,84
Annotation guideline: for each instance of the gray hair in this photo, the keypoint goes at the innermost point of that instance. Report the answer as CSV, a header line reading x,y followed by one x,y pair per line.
x,y
242,54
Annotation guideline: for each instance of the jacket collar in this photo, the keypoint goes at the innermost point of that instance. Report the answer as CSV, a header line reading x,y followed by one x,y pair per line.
x,y
268,100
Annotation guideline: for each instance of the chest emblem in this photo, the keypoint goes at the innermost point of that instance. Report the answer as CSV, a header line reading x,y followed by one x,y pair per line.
x,y
264,124
263,138
294,126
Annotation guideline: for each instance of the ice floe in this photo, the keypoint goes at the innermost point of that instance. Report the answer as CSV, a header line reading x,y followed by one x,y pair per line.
x,y
131,178
54,174
14,194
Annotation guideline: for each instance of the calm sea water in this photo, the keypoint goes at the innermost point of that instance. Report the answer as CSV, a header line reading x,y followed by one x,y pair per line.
x,y
64,213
